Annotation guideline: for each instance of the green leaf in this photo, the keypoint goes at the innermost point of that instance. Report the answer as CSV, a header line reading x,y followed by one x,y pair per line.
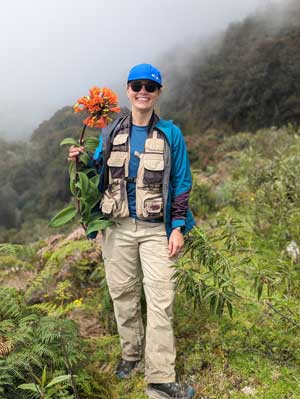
x,y
91,143
29,387
72,170
95,215
83,183
69,141
73,188
59,379
85,210
97,225
91,200
44,376
229,307
87,170
63,217
84,158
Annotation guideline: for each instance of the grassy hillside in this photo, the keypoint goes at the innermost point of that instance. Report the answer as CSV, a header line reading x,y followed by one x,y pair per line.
x,y
243,260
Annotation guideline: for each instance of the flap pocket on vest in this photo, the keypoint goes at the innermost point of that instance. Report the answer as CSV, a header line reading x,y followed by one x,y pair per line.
x,y
152,162
154,145
107,206
153,207
116,163
120,139
153,168
114,201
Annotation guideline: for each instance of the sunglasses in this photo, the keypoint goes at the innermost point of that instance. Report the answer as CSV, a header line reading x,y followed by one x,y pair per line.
x,y
150,87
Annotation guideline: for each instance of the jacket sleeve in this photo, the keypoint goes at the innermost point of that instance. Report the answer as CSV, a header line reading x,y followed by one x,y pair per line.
x,y
180,179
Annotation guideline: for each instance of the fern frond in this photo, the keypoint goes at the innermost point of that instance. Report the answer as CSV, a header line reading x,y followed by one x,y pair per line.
x,y
51,309
6,346
7,326
22,251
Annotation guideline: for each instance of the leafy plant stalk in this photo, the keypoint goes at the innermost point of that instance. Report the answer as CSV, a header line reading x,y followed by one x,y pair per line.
x,y
69,367
100,105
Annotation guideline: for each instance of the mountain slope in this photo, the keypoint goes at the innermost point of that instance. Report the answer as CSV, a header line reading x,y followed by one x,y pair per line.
x,y
251,81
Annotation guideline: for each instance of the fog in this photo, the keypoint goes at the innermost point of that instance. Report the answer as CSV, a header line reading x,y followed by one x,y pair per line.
x,y
53,51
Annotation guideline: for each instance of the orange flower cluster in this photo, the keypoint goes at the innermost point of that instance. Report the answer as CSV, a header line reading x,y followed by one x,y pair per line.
x,y
100,104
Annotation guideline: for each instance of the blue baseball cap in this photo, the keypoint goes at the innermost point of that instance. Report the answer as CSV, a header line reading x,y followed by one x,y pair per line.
x,y
145,71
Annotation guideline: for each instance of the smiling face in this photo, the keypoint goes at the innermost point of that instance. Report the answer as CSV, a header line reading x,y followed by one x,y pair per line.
x,y
143,100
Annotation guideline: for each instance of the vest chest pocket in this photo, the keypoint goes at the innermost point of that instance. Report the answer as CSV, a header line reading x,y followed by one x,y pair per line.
x,y
154,145
153,169
120,142
117,165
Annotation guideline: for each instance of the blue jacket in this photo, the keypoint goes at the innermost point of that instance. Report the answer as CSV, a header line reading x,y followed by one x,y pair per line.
x,y
178,181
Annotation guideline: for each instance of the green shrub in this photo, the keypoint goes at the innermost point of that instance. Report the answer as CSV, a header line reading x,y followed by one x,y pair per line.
x,y
202,200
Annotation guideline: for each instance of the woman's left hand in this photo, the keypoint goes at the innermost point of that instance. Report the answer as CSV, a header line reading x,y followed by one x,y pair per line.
x,y
176,243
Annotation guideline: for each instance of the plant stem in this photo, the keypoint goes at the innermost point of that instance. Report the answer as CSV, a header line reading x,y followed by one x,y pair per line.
x,y
283,315
81,141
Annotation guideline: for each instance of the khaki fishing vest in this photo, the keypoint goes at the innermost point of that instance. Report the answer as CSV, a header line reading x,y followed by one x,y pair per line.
x,y
149,199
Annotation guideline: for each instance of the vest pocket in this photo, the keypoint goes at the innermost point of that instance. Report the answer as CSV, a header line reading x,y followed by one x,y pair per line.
x,y
149,199
154,145
116,163
153,207
114,202
107,205
120,142
153,169
149,204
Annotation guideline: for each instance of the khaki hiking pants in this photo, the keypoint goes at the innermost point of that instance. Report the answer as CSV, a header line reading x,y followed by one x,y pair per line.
x,y
136,251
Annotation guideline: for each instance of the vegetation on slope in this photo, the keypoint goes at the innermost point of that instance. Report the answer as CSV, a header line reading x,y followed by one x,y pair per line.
x,y
249,81
237,262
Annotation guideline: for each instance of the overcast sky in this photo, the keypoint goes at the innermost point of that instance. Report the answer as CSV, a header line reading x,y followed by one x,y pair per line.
x,y
53,51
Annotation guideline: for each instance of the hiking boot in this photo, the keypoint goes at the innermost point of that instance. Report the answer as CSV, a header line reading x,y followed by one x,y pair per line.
x,y
126,368
171,390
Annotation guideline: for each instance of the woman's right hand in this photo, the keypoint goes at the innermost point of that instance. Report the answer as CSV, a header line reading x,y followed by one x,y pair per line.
x,y
74,152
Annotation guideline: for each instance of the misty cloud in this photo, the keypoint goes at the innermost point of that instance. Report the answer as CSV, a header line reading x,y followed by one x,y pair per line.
x,y
53,51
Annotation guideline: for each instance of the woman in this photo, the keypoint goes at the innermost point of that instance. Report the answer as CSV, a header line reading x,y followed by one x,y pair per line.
x,y
145,180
